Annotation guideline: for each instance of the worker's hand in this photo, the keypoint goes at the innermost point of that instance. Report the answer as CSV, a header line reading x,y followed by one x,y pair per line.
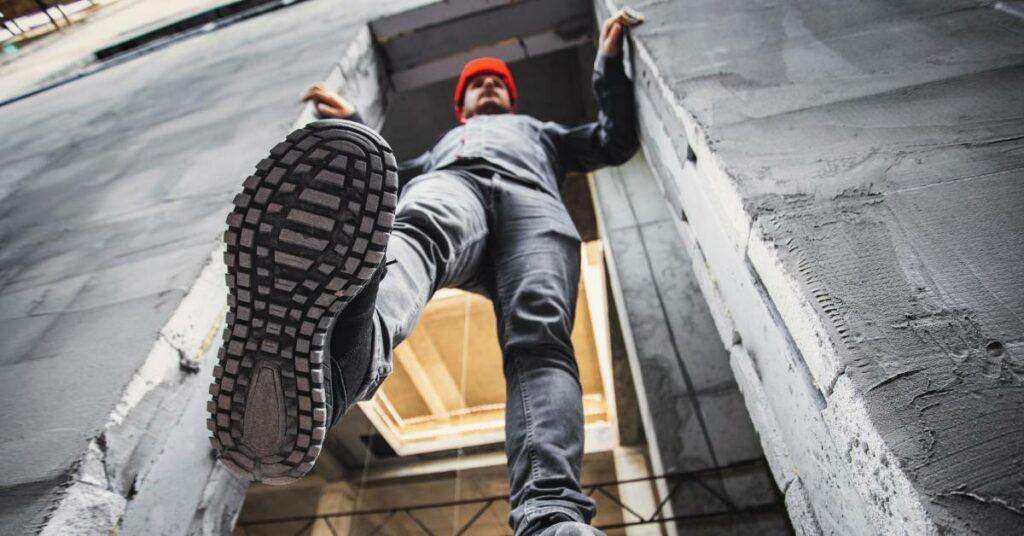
x,y
328,103
610,43
611,38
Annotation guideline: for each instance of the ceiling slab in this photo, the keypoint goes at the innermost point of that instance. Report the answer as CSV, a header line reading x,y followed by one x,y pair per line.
x,y
421,47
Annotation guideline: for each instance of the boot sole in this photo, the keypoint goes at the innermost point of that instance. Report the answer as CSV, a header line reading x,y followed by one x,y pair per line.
x,y
307,233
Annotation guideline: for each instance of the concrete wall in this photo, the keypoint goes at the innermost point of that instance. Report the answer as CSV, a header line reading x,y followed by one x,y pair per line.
x,y
848,175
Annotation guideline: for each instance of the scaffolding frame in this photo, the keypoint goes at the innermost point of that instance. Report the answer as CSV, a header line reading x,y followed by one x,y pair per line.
x,y
674,479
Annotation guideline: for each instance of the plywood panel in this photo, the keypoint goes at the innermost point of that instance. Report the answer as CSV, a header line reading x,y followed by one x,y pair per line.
x,y
448,388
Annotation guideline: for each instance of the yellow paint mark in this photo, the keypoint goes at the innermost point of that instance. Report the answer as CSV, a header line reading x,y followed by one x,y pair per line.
x,y
212,333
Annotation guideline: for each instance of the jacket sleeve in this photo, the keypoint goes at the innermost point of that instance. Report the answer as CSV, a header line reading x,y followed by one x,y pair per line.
x,y
612,139
407,169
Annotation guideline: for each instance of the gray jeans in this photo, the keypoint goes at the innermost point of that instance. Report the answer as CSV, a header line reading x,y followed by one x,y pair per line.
x,y
481,232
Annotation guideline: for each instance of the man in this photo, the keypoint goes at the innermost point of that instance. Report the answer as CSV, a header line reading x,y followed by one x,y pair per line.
x,y
314,317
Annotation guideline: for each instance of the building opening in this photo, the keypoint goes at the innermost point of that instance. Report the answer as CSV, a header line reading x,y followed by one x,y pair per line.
x,y
426,454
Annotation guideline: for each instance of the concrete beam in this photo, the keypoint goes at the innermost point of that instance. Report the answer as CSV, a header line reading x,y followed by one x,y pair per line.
x,y
421,43
742,313
507,50
698,419
392,26
838,254
645,405
429,44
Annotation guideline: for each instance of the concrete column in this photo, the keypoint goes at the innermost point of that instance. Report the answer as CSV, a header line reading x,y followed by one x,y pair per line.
x,y
692,410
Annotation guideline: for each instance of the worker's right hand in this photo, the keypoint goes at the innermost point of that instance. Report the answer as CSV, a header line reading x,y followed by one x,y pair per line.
x,y
328,103
610,42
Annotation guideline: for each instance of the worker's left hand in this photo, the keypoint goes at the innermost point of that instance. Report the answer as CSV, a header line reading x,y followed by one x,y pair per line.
x,y
328,103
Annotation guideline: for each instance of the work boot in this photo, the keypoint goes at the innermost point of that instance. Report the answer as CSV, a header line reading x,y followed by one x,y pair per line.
x,y
351,347
305,240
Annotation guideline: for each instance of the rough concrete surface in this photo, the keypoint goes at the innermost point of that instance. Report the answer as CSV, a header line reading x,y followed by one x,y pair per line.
x,y
863,164
113,190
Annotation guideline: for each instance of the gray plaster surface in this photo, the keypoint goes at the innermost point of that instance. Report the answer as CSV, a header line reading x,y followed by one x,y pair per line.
x,y
113,190
865,163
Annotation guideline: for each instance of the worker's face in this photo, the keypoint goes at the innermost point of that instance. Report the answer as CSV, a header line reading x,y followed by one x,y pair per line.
x,y
486,94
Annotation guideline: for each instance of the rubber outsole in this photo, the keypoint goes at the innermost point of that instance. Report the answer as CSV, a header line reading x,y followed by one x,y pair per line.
x,y
308,231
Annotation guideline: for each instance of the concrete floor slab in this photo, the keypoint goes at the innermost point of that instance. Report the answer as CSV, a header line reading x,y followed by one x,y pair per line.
x,y
859,164
113,189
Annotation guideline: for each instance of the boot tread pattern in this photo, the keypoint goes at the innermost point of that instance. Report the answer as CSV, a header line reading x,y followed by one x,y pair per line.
x,y
307,232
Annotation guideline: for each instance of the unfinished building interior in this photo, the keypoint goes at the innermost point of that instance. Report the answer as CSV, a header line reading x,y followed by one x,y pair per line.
x,y
699,278
800,308
436,427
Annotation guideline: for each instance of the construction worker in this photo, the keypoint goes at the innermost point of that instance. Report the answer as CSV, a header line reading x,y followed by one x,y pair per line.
x,y
314,318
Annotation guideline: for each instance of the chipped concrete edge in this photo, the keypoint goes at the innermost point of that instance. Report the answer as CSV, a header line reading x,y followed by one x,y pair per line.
x,y
802,324
92,502
896,506
894,503
798,504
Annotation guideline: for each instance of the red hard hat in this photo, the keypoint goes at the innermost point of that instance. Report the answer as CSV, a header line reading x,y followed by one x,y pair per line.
x,y
483,66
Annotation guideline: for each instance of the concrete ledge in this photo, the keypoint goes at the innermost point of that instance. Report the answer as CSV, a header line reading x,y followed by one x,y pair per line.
x,y
807,330
895,506
785,399
838,237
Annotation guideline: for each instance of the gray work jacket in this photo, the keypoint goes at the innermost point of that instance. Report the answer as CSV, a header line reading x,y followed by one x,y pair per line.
x,y
539,153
